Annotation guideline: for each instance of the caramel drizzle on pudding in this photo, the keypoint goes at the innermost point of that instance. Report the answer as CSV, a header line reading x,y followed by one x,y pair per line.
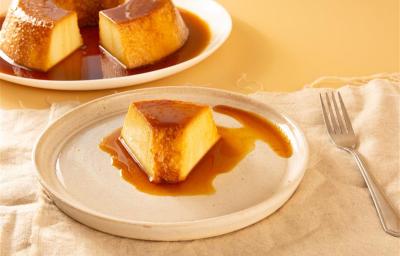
x,y
235,144
133,10
91,62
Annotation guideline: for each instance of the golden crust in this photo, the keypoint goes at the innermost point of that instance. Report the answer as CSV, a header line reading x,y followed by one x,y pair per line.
x,y
166,154
41,13
26,32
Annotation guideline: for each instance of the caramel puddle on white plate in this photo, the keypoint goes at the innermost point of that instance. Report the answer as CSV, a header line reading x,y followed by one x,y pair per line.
x,y
234,145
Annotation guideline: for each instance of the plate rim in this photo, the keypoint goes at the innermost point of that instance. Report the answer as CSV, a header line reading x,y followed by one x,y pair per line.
x,y
125,81
104,217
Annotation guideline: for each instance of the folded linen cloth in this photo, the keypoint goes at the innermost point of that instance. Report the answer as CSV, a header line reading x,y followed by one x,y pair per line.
x,y
330,214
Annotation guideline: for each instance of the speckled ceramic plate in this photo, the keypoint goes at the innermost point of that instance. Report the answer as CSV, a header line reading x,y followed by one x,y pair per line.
x,y
217,18
83,183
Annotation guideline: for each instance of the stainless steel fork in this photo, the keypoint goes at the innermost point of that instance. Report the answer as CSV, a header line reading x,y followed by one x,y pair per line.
x,y
341,132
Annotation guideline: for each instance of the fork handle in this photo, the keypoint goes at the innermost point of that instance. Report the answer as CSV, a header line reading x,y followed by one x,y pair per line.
x,y
387,215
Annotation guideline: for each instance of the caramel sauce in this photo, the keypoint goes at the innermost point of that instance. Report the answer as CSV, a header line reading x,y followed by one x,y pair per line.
x,y
91,62
234,145
45,11
168,112
256,127
133,9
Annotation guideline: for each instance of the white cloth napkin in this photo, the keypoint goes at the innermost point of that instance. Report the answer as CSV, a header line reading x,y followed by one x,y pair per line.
x,y
330,214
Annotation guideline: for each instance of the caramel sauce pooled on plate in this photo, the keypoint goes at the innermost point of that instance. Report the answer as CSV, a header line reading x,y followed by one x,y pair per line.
x,y
234,145
91,62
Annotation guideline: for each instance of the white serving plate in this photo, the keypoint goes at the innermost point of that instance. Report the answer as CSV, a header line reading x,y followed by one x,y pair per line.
x,y
218,20
80,179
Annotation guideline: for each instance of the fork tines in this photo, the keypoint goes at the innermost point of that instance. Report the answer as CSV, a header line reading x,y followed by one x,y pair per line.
x,y
337,121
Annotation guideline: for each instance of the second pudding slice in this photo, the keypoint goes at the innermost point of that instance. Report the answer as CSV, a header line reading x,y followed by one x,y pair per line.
x,y
167,138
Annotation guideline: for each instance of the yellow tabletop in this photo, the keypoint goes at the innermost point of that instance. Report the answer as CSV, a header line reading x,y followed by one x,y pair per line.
x,y
274,46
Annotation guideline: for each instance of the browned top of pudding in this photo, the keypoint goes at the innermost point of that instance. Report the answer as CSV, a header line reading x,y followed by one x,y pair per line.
x,y
38,12
161,113
133,9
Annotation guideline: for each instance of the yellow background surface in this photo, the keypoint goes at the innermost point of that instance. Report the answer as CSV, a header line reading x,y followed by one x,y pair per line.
x,y
274,46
